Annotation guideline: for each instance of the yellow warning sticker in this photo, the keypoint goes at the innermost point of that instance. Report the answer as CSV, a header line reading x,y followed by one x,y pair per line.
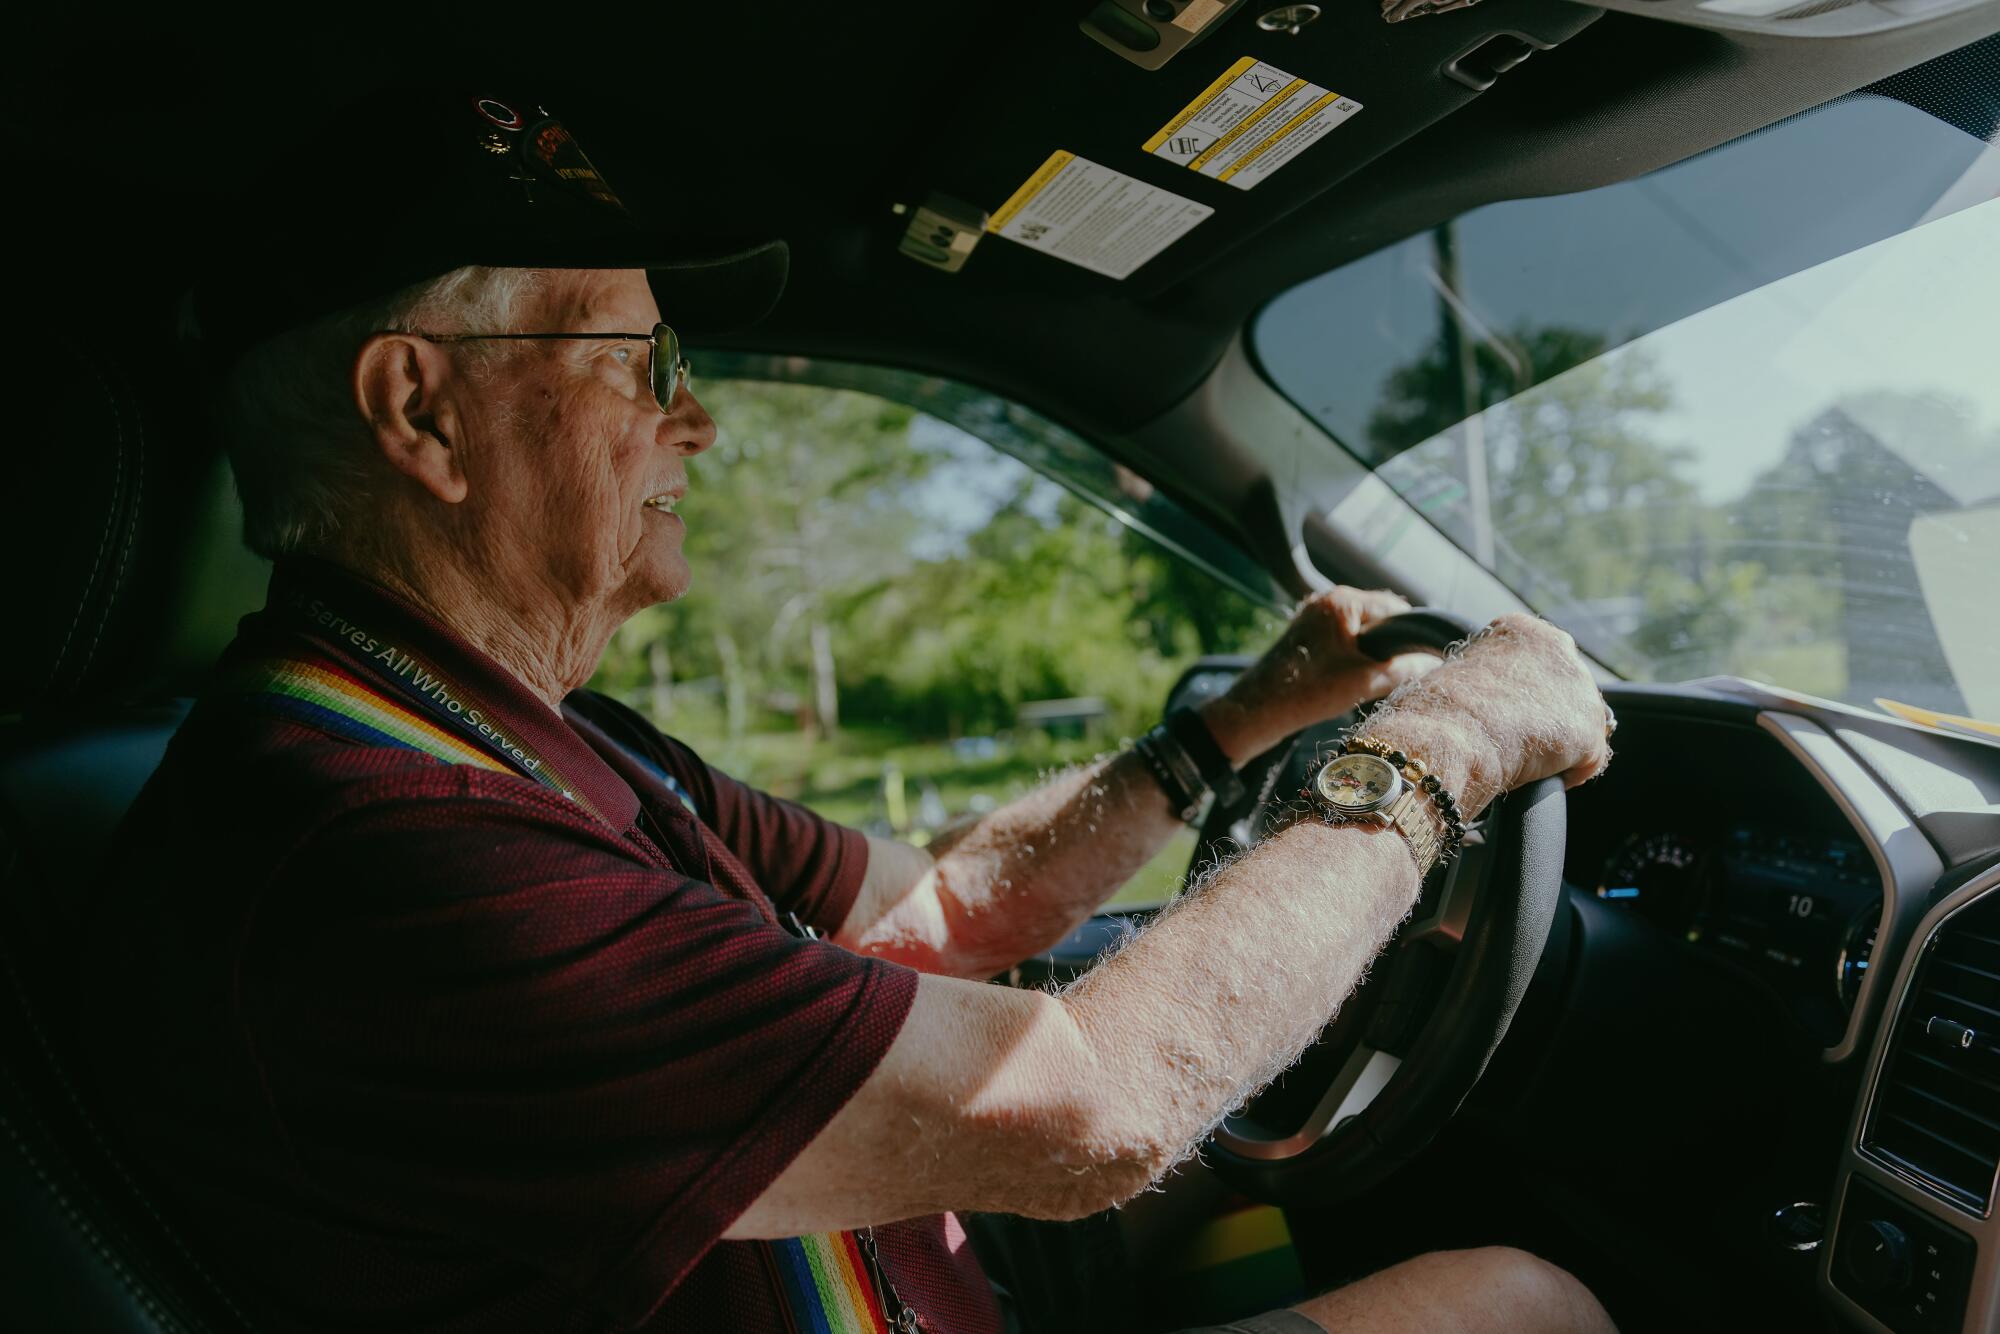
x,y
1092,216
1250,122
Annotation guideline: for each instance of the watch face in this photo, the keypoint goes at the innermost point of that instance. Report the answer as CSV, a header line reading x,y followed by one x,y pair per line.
x,y
1359,783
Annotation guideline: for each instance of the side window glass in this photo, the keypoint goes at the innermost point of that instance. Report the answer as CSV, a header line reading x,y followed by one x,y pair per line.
x,y
903,627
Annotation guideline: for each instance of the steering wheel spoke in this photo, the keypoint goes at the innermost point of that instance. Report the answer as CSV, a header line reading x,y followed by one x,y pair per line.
x,y
1365,1073
1446,909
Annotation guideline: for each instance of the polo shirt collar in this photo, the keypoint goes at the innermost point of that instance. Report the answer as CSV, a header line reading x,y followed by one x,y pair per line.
x,y
499,694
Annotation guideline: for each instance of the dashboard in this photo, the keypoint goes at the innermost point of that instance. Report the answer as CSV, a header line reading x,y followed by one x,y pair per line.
x,y
1799,906
1765,876
1830,888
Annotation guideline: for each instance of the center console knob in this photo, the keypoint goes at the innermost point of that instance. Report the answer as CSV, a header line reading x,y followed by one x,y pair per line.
x,y
1879,1257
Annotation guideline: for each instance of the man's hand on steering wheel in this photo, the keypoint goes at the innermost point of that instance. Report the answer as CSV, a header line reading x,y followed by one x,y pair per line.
x,y
1517,703
1314,672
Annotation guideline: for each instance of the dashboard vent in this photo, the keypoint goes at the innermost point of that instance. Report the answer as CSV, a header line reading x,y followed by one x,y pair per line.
x,y
1937,1111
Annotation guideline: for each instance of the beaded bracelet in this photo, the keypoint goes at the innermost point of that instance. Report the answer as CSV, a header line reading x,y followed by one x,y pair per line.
x,y
1415,771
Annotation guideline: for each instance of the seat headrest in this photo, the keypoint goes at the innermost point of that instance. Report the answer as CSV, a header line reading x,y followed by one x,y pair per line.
x,y
125,565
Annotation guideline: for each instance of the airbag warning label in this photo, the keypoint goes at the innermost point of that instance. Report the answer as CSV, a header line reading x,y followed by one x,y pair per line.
x,y
1093,216
1250,122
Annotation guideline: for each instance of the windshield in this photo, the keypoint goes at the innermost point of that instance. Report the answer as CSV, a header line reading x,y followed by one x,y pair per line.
x,y
1738,416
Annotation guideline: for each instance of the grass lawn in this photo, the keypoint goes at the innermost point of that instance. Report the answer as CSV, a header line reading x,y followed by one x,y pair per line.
x,y
852,779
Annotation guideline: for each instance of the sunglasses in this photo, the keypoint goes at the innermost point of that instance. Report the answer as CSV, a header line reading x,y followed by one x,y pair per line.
x,y
668,372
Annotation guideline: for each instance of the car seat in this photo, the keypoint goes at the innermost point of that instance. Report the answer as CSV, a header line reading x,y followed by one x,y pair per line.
x,y
126,578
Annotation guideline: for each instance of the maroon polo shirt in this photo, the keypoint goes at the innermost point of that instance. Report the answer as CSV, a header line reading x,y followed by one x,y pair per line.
x,y
415,1045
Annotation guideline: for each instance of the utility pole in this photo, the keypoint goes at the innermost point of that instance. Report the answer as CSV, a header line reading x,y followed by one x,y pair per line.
x,y
1460,353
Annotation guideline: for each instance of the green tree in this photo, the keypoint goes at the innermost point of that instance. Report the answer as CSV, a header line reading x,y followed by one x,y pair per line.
x,y
1183,607
1591,516
1828,527
854,560
1038,606
794,506
1596,520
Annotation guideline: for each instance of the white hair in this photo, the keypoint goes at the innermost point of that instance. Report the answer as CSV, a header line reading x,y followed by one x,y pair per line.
x,y
300,450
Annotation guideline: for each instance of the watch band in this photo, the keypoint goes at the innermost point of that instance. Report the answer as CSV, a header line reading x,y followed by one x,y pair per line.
x,y
1185,759
1409,815
1217,773
1441,805
1174,770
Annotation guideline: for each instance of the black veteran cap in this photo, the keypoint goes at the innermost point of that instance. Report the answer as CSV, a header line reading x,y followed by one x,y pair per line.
x,y
411,185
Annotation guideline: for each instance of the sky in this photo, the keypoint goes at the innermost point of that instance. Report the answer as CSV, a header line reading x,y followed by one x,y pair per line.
x,y
1917,313
964,489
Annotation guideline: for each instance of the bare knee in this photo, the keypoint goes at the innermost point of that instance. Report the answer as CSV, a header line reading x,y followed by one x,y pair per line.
x,y
1503,1288
1488,1290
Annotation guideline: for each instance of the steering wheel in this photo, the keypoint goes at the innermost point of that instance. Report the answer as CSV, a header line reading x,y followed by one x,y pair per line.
x,y
1407,1047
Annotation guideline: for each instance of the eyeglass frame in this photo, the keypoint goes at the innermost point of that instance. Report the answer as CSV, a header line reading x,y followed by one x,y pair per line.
x,y
663,338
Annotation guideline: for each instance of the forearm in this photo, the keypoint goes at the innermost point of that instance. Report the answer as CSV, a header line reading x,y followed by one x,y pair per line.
x,y
1021,1102
1222,993
1023,876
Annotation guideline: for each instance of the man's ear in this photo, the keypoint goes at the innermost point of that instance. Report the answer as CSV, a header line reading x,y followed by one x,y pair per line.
x,y
401,386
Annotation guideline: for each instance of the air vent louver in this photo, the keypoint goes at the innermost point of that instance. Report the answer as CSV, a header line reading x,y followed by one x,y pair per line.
x,y
1937,1111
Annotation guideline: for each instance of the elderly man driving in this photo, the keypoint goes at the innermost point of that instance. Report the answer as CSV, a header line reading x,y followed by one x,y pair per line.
x,y
441,994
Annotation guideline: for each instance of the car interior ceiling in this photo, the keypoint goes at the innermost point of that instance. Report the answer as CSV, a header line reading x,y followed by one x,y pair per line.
x,y
815,128
811,124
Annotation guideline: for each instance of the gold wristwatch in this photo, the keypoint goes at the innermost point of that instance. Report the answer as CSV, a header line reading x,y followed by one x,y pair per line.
x,y
1372,783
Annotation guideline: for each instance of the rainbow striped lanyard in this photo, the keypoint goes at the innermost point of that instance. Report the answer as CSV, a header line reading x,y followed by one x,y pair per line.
x,y
833,1283
379,693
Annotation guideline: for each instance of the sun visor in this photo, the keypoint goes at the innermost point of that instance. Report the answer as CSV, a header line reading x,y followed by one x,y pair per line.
x,y
1129,180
